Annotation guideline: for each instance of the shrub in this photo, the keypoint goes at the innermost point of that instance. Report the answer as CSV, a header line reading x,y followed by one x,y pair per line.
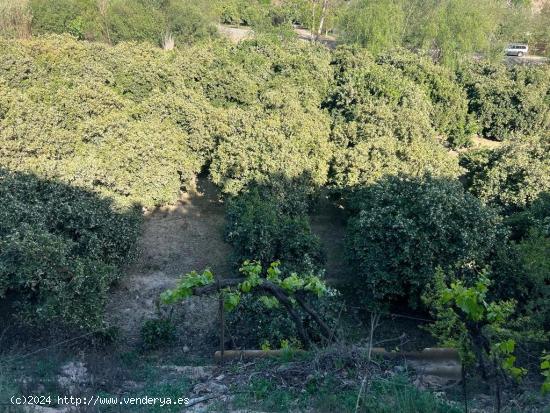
x,y
375,25
522,267
60,249
381,124
266,65
533,252
253,325
269,223
249,13
508,102
82,123
383,140
535,217
134,21
406,227
510,177
135,161
287,142
116,21
358,80
450,105
77,17
189,21
157,333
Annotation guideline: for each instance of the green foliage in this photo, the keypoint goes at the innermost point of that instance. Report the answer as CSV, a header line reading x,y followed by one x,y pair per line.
x,y
288,142
134,20
156,333
453,30
375,25
101,123
536,218
189,20
386,395
257,319
245,12
474,324
60,249
404,228
508,101
253,325
396,394
381,124
448,30
269,223
512,176
76,17
523,266
533,252
545,370
450,105
115,21
185,286
541,29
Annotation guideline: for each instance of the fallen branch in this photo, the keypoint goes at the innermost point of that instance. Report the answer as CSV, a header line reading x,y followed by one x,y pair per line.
x,y
252,354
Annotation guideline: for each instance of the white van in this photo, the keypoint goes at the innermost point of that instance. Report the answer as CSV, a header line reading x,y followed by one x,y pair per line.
x,y
518,50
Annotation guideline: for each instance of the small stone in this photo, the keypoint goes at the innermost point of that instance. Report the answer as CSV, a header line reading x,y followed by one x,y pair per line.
x,y
210,387
192,372
72,375
399,369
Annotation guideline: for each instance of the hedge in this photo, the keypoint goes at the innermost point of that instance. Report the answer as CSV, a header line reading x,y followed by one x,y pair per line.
x,y
403,228
61,248
449,101
508,102
511,177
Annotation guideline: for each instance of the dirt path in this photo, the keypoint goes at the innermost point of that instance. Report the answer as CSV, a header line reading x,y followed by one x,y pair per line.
x,y
176,239
305,34
237,34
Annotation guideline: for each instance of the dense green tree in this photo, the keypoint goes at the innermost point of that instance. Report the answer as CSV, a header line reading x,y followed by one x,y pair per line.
x,y
100,124
449,101
454,29
115,21
376,25
541,26
448,29
269,222
381,124
510,177
508,101
77,17
404,228
60,249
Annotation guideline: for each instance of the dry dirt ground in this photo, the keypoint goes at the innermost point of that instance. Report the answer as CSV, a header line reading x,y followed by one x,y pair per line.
x,y
234,33
238,33
176,239
188,236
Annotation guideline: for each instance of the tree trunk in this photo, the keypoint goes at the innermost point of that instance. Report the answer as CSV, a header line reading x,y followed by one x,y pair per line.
x,y
324,11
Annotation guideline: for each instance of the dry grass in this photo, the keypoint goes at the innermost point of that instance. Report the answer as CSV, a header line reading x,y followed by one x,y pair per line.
x,y
15,18
482,143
